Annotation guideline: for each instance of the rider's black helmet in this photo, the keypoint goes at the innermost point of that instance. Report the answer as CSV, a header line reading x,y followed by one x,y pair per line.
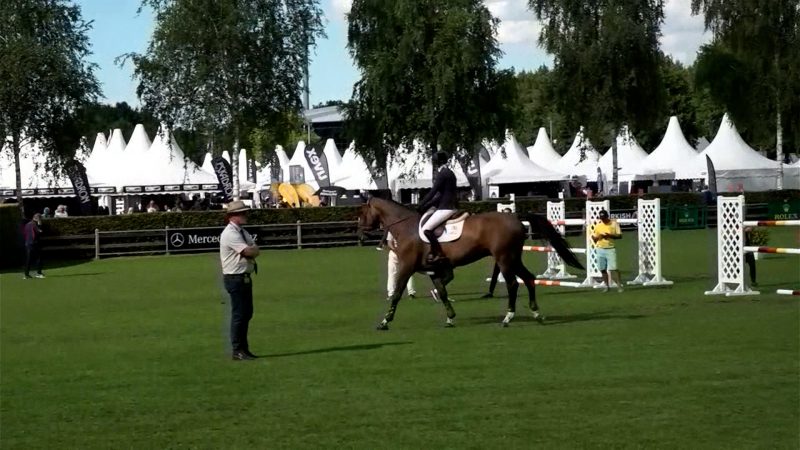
x,y
440,158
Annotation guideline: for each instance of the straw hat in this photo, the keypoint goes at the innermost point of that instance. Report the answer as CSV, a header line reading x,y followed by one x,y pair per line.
x,y
236,206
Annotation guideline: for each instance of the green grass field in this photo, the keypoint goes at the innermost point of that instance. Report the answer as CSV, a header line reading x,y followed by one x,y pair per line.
x,y
132,353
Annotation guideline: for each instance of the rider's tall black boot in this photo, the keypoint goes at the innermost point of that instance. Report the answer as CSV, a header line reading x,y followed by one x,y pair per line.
x,y
436,254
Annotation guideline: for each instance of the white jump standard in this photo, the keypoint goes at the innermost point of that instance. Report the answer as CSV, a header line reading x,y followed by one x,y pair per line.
x,y
731,248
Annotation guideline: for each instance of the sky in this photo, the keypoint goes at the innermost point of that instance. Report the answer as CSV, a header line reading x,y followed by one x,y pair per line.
x,y
117,29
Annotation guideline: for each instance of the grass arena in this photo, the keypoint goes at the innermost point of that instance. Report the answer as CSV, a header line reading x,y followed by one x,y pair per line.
x,y
133,353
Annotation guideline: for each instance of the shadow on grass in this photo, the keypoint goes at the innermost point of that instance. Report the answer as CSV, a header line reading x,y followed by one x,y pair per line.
x,y
559,319
343,348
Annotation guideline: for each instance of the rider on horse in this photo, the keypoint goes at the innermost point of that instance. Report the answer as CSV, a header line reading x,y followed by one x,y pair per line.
x,y
443,197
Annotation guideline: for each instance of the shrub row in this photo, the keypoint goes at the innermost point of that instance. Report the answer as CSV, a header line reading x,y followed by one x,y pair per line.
x,y
10,235
86,225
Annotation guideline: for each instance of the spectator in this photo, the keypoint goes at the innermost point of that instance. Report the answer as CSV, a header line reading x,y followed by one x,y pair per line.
x,y
61,211
46,214
198,204
605,233
152,207
130,210
391,277
749,257
33,247
708,197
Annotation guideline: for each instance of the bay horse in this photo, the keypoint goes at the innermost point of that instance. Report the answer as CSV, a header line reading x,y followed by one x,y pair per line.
x,y
495,234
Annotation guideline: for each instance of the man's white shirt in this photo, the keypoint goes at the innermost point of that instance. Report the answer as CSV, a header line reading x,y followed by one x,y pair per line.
x,y
232,242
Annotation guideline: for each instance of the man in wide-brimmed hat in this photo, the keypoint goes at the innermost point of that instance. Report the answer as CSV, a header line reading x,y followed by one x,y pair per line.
x,y
237,252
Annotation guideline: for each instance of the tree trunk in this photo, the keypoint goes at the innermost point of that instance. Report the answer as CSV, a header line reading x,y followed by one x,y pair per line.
x,y
15,144
779,128
614,168
235,167
779,146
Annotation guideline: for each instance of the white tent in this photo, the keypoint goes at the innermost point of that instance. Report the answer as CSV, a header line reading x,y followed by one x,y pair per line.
x,y
413,169
353,173
512,165
168,165
571,163
244,183
207,163
299,160
34,172
134,160
673,152
334,159
738,167
542,152
629,154
791,175
702,143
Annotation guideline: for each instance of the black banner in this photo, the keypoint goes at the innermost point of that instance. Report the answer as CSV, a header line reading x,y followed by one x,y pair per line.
x,y
225,176
251,170
712,176
80,184
319,166
188,239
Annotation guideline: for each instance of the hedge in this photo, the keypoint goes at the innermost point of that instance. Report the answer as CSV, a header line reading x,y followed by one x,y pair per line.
x,y
11,254
71,226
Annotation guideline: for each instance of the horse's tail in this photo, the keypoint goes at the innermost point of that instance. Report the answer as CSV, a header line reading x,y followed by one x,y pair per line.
x,y
543,226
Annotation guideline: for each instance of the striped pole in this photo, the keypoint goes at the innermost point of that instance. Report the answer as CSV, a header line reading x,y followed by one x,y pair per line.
x,y
771,223
558,283
541,249
568,222
791,251
788,292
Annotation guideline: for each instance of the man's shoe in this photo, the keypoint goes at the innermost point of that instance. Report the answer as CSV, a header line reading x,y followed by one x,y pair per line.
x,y
26,277
38,275
487,295
248,353
241,356
414,295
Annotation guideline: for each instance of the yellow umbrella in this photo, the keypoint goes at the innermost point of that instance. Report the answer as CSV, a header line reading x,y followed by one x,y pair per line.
x,y
288,194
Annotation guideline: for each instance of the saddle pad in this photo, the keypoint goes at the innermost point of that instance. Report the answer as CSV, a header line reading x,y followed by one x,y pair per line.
x,y
452,228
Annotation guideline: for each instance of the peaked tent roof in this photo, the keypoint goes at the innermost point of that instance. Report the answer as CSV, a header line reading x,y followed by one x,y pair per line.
x,y
543,153
354,174
333,157
673,152
512,165
571,163
629,153
733,159
299,159
207,163
139,143
413,169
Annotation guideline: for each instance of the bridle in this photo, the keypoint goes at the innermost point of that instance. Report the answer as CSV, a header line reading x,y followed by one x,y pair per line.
x,y
389,226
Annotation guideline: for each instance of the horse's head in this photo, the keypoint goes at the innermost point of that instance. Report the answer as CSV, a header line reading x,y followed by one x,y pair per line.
x,y
368,218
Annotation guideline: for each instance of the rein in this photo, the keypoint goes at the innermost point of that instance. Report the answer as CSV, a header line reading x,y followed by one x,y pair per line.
x,y
388,227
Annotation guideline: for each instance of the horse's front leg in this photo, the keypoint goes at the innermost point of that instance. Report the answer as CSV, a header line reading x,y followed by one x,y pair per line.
x,y
440,293
401,279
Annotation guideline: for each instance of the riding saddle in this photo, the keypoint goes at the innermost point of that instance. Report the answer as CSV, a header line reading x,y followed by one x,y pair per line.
x,y
447,232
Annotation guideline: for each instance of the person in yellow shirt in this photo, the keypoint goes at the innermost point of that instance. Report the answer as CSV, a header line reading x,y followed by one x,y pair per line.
x,y
604,235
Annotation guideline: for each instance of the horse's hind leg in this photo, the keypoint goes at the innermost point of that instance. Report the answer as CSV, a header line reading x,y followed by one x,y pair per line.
x,y
510,274
439,285
528,278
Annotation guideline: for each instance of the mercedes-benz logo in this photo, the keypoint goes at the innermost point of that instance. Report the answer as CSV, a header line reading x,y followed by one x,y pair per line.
x,y
176,240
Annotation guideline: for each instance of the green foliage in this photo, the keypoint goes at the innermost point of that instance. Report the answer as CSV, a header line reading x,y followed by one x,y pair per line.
x,y
536,106
428,72
221,67
70,226
753,66
285,129
45,76
758,236
606,53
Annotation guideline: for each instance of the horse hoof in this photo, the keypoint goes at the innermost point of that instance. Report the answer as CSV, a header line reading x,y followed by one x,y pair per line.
x,y
382,327
449,325
540,319
504,324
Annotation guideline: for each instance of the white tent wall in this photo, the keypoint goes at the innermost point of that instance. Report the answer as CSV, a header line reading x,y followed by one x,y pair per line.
x,y
134,158
110,168
512,165
738,167
791,176
97,157
413,169
207,163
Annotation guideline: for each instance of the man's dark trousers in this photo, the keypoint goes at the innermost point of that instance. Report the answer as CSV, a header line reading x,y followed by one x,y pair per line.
x,y
240,288
33,256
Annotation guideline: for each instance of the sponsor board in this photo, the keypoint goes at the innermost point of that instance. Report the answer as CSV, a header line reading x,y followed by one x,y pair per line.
x,y
187,239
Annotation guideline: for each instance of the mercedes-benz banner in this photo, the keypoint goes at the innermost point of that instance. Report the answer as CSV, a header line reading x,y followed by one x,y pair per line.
x,y
190,239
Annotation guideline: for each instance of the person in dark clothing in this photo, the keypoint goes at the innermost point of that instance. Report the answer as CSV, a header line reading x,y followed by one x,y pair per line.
x,y
33,246
749,257
444,198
